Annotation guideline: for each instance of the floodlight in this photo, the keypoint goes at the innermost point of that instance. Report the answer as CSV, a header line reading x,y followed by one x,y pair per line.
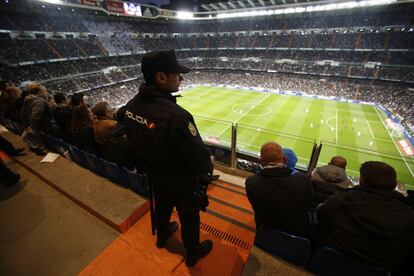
x,y
184,15
52,1
300,9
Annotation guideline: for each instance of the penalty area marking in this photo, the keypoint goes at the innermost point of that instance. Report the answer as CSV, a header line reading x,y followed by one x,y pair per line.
x,y
395,143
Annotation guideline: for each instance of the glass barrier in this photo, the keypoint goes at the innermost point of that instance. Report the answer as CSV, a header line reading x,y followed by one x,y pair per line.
x,y
250,139
214,131
356,156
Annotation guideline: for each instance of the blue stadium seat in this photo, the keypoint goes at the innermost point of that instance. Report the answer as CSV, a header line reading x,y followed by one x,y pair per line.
x,y
137,183
293,249
327,261
116,173
78,156
56,145
96,164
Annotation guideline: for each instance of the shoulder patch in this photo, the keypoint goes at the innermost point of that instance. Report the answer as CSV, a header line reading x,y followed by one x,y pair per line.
x,y
192,129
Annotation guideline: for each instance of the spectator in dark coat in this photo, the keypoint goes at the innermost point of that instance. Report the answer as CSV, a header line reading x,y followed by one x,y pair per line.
x,y
77,100
328,179
104,123
371,222
14,103
62,114
3,96
279,198
36,118
81,127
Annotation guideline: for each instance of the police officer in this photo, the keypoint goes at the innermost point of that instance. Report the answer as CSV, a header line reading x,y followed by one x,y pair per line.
x,y
165,137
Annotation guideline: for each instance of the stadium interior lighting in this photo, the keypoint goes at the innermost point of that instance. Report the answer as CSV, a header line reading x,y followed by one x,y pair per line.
x,y
309,8
184,15
52,1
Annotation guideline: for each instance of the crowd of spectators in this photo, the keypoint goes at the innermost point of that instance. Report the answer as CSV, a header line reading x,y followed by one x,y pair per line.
x,y
327,209
27,49
97,130
50,19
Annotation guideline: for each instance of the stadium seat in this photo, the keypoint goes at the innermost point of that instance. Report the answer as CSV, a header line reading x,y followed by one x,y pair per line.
x,y
78,156
292,248
12,126
16,127
327,261
56,145
116,173
137,183
96,164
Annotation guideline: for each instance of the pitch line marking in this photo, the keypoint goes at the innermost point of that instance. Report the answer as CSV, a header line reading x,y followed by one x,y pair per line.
x,y
267,112
405,161
336,128
336,139
370,130
242,115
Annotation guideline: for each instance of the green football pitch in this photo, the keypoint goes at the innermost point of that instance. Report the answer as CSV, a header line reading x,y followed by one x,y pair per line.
x,y
356,131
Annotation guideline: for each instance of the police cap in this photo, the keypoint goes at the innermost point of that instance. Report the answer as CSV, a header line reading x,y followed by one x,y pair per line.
x,y
161,61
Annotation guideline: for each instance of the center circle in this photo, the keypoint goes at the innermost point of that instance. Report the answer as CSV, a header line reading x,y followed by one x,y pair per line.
x,y
251,109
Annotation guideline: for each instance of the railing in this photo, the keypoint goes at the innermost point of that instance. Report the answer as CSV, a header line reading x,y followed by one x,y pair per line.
x,y
356,156
229,141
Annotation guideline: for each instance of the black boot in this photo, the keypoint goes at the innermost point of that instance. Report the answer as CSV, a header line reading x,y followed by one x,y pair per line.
x,y
12,179
15,151
162,237
39,151
203,249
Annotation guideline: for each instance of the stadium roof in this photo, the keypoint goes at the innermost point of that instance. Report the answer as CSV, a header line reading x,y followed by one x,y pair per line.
x,y
222,5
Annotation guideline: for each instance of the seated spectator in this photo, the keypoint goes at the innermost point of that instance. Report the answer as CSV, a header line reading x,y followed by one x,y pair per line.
x,y
104,123
77,100
62,114
81,128
3,96
118,149
328,179
291,159
14,103
271,192
371,222
36,118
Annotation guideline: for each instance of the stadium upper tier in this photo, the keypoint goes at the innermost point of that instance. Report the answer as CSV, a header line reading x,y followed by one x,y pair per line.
x,y
367,43
65,20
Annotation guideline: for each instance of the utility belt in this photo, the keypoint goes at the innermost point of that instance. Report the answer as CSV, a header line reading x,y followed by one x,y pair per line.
x,y
200,195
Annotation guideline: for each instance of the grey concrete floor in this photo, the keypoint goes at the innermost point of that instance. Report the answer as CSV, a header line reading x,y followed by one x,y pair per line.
x,y
44,233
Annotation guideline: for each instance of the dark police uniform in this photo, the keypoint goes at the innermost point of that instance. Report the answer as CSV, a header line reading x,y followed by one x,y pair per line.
x,y
165,137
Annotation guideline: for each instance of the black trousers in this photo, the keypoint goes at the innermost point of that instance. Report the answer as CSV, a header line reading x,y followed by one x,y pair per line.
x,y
5,145
5,173
188,212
